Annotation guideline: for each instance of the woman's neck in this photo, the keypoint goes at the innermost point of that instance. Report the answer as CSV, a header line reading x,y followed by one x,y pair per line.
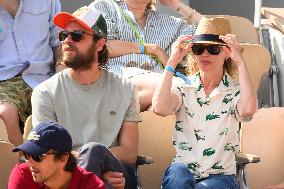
x,y
138,9
210,80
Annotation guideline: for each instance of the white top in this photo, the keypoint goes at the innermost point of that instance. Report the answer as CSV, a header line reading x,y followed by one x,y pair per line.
x,y
206,135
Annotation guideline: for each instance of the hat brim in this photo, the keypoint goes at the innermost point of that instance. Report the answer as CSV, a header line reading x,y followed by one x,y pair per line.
x,y
31,148
209,42
61,20
208,39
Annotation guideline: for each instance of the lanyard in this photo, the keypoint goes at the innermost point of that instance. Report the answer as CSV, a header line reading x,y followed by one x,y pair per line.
x,y
141,41
131,24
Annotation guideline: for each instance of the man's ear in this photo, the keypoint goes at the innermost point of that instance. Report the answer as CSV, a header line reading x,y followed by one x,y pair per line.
x,y
64,158
100,44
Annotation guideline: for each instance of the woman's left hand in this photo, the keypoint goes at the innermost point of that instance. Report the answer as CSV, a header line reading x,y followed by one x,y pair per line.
x,y
175,4
233,49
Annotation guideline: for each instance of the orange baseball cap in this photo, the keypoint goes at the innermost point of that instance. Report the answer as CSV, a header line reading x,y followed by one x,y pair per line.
x,y
88,19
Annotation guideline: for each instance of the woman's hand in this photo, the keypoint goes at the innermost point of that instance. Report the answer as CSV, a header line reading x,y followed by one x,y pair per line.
x,y
179,49
174,4
233,49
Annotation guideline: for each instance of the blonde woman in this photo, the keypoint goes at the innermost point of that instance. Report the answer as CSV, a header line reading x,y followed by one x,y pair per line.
x,y
208,105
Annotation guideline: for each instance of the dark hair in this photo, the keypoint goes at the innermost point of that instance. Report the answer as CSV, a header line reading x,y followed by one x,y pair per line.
x,y
103,55
71,162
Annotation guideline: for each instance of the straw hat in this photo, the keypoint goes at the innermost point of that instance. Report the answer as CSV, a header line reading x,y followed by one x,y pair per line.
x,y
209,30
257,57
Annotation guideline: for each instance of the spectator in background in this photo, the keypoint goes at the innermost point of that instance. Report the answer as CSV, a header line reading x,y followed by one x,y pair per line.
x,y
28,40
208,107
140,38
50,163
94,105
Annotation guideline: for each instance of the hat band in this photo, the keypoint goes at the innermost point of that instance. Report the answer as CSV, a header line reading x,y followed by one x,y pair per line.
x,y
207,37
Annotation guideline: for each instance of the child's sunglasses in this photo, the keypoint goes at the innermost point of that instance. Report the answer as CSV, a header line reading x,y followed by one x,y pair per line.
x,y
75,35
36,158
198,49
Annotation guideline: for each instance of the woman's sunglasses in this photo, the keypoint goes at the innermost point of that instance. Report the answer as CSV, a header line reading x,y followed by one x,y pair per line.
x,y
36,158
212,49
75,35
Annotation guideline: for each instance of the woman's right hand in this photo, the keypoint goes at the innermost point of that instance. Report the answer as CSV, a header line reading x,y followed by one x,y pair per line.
x,y
179,49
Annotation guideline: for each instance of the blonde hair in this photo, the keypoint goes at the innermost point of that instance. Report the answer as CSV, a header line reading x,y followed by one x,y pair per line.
x,y
152,4
228,66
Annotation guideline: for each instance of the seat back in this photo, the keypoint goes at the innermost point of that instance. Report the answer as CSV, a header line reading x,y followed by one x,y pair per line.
x,y
28,127
257,59
155,140
242,27
3,131
263,136
8,160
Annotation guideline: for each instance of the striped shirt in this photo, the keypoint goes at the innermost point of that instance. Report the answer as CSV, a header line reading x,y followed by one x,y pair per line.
x,y
26,41
160,29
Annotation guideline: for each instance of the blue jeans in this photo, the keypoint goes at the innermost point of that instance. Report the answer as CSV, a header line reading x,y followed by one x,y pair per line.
x,y
178,176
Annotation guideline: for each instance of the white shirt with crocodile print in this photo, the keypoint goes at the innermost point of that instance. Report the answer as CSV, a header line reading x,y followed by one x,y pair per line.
x,y
206,135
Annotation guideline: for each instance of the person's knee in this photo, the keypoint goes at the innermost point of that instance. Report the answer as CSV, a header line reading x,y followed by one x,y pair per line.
x,y
93,148
178,170
8,113
178,176
218,181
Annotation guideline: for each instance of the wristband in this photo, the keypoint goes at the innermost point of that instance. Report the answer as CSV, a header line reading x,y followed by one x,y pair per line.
x,y
172,70
142,48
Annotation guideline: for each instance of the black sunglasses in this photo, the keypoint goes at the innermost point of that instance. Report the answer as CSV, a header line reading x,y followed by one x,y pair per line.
x,y
37,158
212,49
75,35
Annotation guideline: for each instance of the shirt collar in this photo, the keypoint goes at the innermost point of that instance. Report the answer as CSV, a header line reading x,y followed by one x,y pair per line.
x,y
226,83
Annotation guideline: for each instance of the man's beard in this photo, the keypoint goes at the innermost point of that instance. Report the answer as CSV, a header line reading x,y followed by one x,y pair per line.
x,y
81,61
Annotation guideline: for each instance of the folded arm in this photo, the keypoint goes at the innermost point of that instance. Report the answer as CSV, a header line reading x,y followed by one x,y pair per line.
x,y
128,138
120,48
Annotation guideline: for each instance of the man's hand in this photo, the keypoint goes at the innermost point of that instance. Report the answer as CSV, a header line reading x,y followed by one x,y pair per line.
x,y
115,179
158,52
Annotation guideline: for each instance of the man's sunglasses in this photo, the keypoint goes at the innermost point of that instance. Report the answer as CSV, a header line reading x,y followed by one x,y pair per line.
x,y
75,35
37,158
212,49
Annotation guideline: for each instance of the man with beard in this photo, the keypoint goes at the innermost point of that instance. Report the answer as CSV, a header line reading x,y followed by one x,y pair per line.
x,y
50,163
98,108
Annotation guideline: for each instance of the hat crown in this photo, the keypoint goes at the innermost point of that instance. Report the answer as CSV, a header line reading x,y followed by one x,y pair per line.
x,y
86,17
52,136
215,26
